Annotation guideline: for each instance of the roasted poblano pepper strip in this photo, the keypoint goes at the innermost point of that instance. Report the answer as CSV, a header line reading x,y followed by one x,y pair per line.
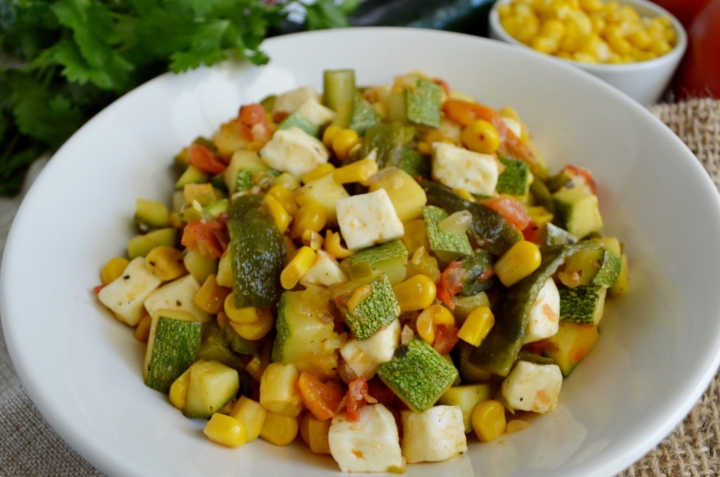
x,y
389,140
499,350
490,229
258,253
479,275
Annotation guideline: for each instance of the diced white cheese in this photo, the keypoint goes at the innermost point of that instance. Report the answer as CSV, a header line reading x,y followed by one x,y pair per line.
x,y
364,357
458,168
315,112
434,435
176,295
450,129
369,445
544,320
532,387
324,271
295,151
368,219
513,125
290,101
125,295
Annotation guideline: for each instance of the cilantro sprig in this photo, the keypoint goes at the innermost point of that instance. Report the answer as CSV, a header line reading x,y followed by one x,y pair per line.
x,y
63,61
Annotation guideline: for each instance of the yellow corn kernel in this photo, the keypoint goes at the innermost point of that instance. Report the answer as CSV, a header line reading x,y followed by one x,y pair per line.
x,y
334,247
166,263
481,136
477,325
544,44
329,134
225,430
243,316
424,147
516,425
584,57
285,197
259,329
591,6
203,193
415,293
505,10
255,368
297,268
645,55
312,239
320,171
616,40
640,39
598,24
430,318
287,180
278,390
280,216
113,269
488,420
279,430
552,28
224,269
142,330
518,262
539,214
463,193
530,27
251,414
358,296
222,319
315,434
211,297
660,47
254,146
178,390
311,216
422,263
343,141
358,171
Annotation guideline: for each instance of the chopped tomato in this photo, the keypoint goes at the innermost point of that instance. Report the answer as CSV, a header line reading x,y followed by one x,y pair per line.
x,y
380,392
533,233
355,398
510,209
202,158
446,337
206,237
582,176
443,84
450,283
321,399
252,115
464,112
97,289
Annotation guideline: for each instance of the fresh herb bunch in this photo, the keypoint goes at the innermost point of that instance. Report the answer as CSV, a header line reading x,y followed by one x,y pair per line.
x,y
63,61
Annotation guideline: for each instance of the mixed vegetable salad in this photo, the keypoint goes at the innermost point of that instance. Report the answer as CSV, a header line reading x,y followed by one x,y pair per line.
x,y
382,270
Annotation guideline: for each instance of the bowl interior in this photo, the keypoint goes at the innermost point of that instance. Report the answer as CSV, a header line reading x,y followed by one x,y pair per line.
x,y
659,345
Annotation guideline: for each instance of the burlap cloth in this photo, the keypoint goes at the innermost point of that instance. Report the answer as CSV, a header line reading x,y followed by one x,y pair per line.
x,y
29,447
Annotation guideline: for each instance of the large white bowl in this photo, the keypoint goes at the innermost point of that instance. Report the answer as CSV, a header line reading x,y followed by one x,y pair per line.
x,y
660,344
644,81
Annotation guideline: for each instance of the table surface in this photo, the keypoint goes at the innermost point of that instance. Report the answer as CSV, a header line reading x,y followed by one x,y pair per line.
x,y
29,447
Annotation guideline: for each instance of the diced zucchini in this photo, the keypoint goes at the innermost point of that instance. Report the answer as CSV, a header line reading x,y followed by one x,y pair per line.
x,y
389,258
192,175
364,115
290,101
217,207
201,266
212,385
214,347
466,398
406,195
465,304
240,345
570,345
305,331
423,102
572,177
582,304
622,283
279,390
469,373
239,173
390,141
268,102
515,179
140,245
367,304
591,267
338,87
555,235
577,211
416,164
417,374
325,191
228,139
174,339
150,215
448,246
297,120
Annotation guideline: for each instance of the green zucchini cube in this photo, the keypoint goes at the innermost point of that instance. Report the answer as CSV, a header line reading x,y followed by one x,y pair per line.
x,y
364,115
423,102
211,386
301,122
367,305
466,397
150,215
417,374
448,246
583,305
515,179
578,211
389,258
140,245
570,345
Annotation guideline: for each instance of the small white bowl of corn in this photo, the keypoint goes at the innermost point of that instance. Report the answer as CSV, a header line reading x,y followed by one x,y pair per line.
x,y
635,45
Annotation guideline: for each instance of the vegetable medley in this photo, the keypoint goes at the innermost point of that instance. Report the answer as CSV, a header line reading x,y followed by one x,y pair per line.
x,y
383,270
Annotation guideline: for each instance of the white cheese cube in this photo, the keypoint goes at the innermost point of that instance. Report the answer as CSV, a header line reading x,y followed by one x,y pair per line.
x,y
125,295
315,112
513,125
324,271
292,100
295,151
544,319
176,295
434,435
368,219
459,168
532,387
450,129
364,357
369,445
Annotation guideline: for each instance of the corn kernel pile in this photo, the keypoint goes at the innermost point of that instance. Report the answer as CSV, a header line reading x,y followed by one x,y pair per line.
x,y
589,31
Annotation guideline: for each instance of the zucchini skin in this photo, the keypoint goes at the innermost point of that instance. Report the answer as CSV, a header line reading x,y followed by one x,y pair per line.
x,y
500,349
258,253
493,232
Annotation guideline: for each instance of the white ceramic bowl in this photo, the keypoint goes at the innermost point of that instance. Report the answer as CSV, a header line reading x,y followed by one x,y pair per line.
x,y
660,344
644,81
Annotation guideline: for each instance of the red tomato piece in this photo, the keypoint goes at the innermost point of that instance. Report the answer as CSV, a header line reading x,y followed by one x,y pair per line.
x,y
383,394
532,233
355,398
321,399
97,289
510,209
446,337
250,116
450,283
443,84
202,158
205,237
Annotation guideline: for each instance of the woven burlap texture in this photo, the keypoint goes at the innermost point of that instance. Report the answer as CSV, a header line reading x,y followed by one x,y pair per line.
x,y
29,447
